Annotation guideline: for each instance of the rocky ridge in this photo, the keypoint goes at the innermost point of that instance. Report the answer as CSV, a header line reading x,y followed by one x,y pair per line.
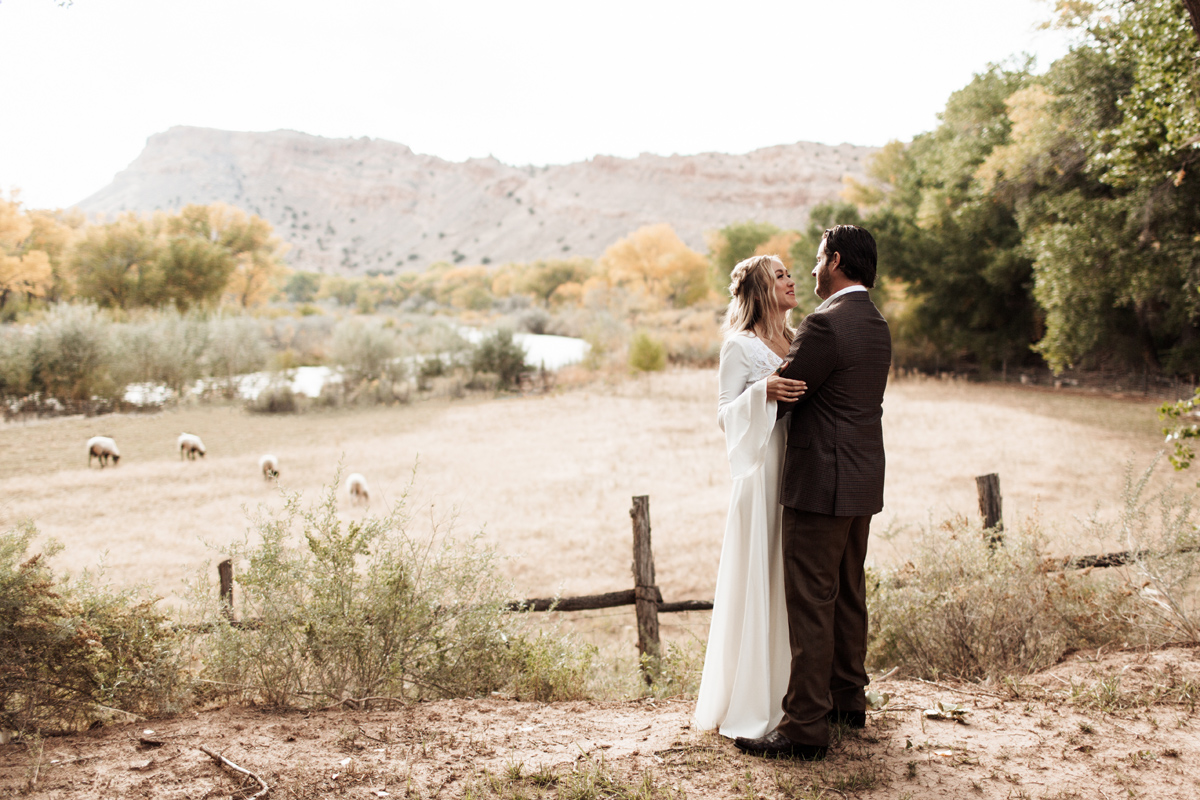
x,y
354,206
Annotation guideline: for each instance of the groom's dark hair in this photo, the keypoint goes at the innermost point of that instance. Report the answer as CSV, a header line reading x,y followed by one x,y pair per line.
x,y
857,248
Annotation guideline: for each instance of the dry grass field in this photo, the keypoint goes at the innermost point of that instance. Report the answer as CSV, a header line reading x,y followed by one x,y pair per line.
x,y
549,478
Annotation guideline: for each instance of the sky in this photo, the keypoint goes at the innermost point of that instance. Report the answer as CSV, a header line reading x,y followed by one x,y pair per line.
x,y
527,82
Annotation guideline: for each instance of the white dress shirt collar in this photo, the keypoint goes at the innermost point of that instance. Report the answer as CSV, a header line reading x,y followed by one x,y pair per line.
x,y
858,287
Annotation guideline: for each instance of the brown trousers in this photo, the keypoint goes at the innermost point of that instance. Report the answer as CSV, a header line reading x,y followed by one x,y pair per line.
x,y
826,592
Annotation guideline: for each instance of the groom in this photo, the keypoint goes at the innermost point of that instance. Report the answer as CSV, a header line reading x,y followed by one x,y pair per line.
x,y
832,483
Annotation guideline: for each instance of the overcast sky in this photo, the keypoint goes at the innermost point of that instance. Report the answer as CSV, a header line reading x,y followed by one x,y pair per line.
x,y
527,82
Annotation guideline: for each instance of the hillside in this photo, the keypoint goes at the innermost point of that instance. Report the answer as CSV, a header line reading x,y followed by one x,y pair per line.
x,y
356,205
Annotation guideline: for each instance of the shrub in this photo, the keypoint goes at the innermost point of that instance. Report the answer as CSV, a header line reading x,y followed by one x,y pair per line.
x,y
72,652
166,348
16,362
236,347
278,398
369,609
71,356
366,351
960,607
646,354
501,356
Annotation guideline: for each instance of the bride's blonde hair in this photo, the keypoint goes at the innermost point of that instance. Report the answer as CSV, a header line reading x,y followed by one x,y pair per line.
x,y
752,301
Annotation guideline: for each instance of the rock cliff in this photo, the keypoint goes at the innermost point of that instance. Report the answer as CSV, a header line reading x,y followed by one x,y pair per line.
x,y
353,206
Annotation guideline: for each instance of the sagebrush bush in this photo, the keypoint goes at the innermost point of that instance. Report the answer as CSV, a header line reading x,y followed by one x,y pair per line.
x,y
646,354
960,607
73,651
277,398
358,609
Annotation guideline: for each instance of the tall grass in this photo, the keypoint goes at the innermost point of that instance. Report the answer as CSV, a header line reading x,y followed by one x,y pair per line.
x,y
963,607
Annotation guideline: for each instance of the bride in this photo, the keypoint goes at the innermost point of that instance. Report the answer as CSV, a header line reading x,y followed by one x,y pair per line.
x,y
747,663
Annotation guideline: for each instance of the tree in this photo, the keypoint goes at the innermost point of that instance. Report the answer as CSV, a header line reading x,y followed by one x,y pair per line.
x,y
654,262
500,355
194,270
735,243
302,287
117,265
24,266
956,247
257,253
1110,202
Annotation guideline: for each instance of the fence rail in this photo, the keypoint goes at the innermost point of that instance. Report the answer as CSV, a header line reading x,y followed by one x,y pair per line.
x,y
648,600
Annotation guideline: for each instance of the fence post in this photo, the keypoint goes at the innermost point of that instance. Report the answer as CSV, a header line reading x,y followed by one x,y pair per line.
x,y
989,507
645,591
225,573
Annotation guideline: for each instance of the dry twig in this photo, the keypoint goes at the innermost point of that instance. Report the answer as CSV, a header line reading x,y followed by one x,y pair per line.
x,y
220,759
978,692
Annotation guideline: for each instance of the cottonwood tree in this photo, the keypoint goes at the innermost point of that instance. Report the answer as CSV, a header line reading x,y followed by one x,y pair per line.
x,y
24,269
734,243
655,263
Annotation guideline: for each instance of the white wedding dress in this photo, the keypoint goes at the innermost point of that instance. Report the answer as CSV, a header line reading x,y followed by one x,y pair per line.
x,y
746,665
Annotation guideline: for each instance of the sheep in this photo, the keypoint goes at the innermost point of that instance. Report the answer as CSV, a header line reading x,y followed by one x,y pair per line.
x,y
190,445
103,448
356,485
269,466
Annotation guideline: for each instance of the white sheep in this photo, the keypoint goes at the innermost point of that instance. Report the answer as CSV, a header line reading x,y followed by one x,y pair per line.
x,y
103,448
190,445
269,466
356,485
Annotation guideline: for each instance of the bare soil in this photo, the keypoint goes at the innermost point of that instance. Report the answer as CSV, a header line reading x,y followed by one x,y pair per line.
x,y
1095,726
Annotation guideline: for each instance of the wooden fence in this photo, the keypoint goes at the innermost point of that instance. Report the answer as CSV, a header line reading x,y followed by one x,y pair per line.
x,y
648,600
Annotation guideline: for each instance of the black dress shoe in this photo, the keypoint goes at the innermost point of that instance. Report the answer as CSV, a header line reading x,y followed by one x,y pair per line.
x,y
851,719
776,745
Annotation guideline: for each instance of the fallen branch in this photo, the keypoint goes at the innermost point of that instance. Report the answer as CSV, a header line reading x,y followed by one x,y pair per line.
x,y
978,693
359,702
220,759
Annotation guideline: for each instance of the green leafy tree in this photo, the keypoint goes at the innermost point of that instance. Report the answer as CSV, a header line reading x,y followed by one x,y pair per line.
x,y
302,287
735,243
194,271
500,355
957,247
118,264
1102,168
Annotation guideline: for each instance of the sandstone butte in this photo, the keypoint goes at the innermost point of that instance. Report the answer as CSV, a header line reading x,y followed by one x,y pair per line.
x,y
358,206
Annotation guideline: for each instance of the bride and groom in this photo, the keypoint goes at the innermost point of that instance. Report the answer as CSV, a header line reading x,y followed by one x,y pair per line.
x,y
802,419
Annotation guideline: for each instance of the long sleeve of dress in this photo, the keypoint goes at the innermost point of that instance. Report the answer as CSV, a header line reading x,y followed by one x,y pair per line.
x,y
743,410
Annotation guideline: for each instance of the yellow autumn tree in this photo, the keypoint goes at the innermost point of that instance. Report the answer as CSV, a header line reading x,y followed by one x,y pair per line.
x,y
654,262
24,269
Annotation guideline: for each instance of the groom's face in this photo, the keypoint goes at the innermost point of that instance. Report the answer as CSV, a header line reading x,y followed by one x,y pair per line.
x,y
823,272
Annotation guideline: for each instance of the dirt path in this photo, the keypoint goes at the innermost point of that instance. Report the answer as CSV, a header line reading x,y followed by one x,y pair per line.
x,y
1121,725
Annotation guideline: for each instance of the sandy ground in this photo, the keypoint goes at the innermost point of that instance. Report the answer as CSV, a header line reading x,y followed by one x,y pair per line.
x,y
1096,726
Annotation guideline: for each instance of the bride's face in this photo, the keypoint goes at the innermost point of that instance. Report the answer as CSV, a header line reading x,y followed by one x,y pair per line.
x,y
785,289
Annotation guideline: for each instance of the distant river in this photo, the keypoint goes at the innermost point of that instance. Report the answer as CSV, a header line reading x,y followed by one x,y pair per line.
x,y
553,352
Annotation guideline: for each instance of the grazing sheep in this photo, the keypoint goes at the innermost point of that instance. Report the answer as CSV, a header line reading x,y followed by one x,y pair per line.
x,y
269,466
103,448
190,445
356,485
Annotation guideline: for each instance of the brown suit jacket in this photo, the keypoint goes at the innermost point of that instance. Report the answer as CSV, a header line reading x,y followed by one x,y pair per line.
x,y
834,461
